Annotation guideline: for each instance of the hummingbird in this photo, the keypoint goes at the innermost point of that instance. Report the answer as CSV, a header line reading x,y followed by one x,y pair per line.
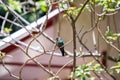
x,y
61,45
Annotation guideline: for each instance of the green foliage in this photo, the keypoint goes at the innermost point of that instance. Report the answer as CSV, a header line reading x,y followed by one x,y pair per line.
x,y
118,58
65,6
84,71
73,11
30,17
2,55
2,10
117,67
43,5
110,36
15,5
107,5
7,30
33,13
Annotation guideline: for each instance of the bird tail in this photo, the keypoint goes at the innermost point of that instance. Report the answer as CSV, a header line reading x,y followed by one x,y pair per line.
x,y
62,51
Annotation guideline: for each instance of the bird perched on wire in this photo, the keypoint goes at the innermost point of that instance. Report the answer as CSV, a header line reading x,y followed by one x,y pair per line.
x,y
60,44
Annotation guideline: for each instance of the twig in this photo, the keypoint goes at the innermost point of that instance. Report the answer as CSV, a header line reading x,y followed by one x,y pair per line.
x,y
116,29
51,57
70,61
104,13
97,75
23,66
10,73
15,13
92,28
107,41
53,41
40,65
16,18
81,10
35,61
95,58
11,21
63,67
3,24
74,45
22,49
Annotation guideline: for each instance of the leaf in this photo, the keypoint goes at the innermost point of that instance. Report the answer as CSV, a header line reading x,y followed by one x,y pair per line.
x,y
86,8
92,78
117,67
43,8
88,75
43,5
71,0
106,5
15,5
7,30
109,33
111,36
78,75
90,63
82,78
97,66
2,55
110,10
